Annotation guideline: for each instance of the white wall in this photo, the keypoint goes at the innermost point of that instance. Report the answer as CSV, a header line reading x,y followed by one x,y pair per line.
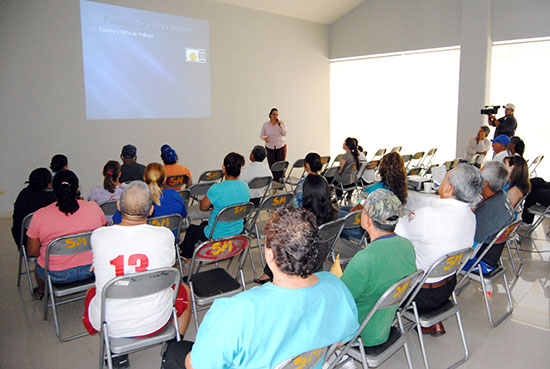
x,y
258,61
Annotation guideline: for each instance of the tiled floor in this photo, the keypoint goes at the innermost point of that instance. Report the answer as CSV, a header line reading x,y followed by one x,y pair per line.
x,y
522,341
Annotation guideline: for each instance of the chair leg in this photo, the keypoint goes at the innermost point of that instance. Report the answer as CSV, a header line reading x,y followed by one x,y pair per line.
x,y
19,270
194,306
420,337
405,345
521,262
512,258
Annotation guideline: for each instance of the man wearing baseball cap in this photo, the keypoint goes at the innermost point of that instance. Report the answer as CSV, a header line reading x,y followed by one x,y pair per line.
x,y
500,147
131,170
507,124
388,259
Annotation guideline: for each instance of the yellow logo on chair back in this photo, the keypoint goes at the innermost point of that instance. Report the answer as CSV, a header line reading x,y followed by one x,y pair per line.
x,y
452,260
72,242
401,289
164,222
301,361
279,200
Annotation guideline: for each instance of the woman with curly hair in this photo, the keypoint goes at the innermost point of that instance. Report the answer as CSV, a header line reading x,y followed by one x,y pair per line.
x,y
519,184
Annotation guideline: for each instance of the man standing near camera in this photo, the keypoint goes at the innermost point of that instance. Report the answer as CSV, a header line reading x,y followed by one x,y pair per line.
x,y
507,124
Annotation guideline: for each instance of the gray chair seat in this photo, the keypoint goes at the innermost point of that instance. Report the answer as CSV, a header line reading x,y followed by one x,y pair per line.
x,y
346,249
130,344
194,213
213,282
430,317
65,289
393,338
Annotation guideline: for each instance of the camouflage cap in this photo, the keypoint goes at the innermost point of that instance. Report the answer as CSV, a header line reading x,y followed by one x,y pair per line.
x,y
383,207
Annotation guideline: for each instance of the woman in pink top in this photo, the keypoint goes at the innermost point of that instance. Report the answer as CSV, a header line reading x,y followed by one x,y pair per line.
x,y
68,215
273,133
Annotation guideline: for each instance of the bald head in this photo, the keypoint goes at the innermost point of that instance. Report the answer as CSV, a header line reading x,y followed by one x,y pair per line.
x,y
136,200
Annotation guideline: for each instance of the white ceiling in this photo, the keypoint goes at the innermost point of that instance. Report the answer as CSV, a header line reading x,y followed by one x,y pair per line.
x,y
320,11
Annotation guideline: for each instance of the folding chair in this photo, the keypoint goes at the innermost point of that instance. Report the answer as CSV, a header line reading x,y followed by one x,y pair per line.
x,y
299,165
23,258
476,273
196,193
330,173
215,175
172,222
455,163
414,171
255,227
279,166
133,286
351,187
185,195
479,161
445,266
307,360
419,157
66,246
344,247
328,235
109,208
367,173
259,183
448,165
541,213
406,160
176,182
429,156
378,154
337,159
374,357
211,284
533,166
473,159
324,161
514,238
396,149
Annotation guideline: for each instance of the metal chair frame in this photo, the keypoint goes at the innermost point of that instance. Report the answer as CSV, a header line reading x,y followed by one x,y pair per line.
x,y
197,193
542,213
261,182
109,207
344,247
328,236
23,258
173,222
429,156
298,164
407,160
337,160
215,175
131,286
378,154
279,166
397,149
325,160
534,165
64,246
179,180
446,265
394,295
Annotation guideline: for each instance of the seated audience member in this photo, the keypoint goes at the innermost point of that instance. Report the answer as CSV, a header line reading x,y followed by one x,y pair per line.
x,y
516,146
58,163
170,158
349,164
493,212
131,170
231,191
111,188
373,270
540,194
112,248
255,169
312,165
362,156
518,184
317,200
276,322
67,216
165,201
443,225
500,145
33,197
478,144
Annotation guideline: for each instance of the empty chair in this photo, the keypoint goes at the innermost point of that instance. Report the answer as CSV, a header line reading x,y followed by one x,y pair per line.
x,y
215,175
298,166
197,193
279,166
406,160
427,160
337,159
419,157
325,160
396,149
533,166
261,184
378,154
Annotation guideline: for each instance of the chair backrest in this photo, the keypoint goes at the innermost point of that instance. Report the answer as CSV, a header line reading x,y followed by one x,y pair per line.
x,y
231,214
473,159
337,159
109,207
199,189
172,221
432,152
270,203
25,223
480,159
419,155
298,163
448,165
279,166
406,158
533,166
330,173
328,235
396,149
185,195
71,244
176,181
379,153
259,182
211,176
455,163
140,284
429,170
353,220
220,249
414,171
307,360
508,231
324,161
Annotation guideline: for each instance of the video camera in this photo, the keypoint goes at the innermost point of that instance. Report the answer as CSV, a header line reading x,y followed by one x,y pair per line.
x,y
490,109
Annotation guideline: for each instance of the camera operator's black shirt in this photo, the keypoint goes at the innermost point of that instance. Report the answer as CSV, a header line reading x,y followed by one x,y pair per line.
x,y
507,126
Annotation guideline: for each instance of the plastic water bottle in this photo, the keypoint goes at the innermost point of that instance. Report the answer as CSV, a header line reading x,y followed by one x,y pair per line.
x,y
489,289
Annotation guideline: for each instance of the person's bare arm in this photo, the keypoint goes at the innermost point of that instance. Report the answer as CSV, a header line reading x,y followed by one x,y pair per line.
x,y
514,194
188,361
33,246
205,204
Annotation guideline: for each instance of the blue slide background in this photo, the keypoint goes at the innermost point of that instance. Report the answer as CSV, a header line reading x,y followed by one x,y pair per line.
x,y
135,64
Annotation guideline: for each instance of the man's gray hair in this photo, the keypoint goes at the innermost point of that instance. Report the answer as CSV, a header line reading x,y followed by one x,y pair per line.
x,y
496,174
136,199
467,182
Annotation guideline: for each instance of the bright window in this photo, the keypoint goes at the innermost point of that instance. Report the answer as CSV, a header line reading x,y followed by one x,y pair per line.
x,y
409,99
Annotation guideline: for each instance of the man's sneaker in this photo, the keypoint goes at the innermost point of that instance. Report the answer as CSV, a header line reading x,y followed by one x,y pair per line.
x,y
121,362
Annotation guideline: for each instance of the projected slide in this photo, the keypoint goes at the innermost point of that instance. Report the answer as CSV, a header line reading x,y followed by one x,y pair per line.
x,y
142,64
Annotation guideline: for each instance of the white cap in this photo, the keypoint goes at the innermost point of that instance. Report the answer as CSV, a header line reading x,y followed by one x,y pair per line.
x,y
510,106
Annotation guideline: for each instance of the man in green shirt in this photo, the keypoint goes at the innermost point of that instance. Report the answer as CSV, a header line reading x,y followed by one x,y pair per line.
x,y
386,260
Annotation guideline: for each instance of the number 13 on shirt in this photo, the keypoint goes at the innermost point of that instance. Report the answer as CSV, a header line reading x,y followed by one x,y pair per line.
x,y
139,261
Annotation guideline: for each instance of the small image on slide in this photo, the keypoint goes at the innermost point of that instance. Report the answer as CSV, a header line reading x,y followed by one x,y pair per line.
x,y
137,65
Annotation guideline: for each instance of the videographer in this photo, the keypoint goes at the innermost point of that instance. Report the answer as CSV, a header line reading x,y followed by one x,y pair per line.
x,y
507,124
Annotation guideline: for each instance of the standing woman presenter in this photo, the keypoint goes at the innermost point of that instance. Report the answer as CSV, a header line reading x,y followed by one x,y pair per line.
x,y
273,133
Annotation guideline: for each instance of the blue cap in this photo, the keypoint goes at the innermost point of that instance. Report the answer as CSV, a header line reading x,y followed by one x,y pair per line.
x,y
502,139
129,151
169,155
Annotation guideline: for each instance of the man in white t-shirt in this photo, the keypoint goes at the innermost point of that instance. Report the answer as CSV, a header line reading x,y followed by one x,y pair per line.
x,y
129,247
255,169
478,144
447,224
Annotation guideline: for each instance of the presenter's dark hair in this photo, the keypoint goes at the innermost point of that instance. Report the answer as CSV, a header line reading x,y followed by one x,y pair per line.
x,y
317,198
233,163
293,236
314,161
111,172
65,188
272,110
58,162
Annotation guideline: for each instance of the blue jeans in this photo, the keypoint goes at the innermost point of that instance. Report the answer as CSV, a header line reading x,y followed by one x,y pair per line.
x,y
68,275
